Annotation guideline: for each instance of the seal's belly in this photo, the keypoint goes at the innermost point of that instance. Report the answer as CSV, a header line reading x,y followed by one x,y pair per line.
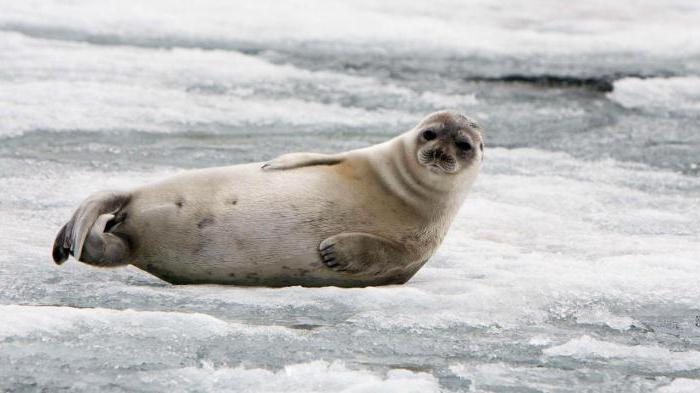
x,y
241,225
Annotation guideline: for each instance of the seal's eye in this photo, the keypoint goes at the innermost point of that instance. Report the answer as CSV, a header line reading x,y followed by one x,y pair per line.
x,y
429,135
466,146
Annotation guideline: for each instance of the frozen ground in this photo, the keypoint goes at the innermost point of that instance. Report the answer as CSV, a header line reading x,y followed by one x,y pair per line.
x,y
573,266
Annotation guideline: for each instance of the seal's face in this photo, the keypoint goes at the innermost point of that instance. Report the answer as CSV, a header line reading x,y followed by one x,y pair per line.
x,y
448,143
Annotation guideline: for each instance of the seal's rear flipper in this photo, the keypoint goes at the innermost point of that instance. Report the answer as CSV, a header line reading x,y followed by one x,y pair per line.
x,y
60,251
297,160
84,235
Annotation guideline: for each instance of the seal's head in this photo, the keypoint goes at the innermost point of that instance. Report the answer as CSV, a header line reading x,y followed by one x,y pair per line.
x,y
448,143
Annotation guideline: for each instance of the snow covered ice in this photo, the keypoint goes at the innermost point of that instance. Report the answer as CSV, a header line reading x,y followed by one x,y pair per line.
x,y
574,264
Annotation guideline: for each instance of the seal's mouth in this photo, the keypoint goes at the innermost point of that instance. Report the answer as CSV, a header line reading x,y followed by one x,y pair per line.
x,y
437,161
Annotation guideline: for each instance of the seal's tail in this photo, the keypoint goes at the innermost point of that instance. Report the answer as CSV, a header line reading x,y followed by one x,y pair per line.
x,y
84,235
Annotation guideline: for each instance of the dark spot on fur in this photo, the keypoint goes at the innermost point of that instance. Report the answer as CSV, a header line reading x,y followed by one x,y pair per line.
x,y
251,275
205,222
234,201
232,275
180,202
239,243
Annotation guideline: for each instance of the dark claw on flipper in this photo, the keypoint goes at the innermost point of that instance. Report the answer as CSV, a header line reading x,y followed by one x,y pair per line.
x,y
60,252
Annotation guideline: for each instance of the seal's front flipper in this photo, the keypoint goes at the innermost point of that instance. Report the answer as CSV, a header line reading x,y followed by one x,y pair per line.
x,y
357,252
296,160
84,235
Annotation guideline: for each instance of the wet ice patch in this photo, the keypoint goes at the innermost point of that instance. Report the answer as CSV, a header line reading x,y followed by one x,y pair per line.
x,y
496,377
539,341
649,357
449,101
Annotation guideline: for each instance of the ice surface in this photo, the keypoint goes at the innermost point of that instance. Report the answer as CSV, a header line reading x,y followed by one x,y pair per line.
x,y
178,89
500,377
572,266
527,268
542,27
318,376
596,40
668,95
643,356
681,385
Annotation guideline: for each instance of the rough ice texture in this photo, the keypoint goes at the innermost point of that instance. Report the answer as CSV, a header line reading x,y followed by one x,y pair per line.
x,y
645,356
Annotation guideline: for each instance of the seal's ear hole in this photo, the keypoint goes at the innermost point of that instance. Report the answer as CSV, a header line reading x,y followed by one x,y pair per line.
x,y
429,135
466,146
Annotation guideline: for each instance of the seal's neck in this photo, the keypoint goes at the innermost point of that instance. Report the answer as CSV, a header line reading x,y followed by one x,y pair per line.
x,y
435,196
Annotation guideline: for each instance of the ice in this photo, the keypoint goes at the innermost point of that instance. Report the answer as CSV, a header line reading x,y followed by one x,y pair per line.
x,y
669,95
572,266
681,385
167,91
517,268
22,321
644,356
589,43
318,376
497,377
161,110
603,317
541,27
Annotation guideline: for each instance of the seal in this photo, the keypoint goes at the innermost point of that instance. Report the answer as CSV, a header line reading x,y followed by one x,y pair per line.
x,y
365,217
